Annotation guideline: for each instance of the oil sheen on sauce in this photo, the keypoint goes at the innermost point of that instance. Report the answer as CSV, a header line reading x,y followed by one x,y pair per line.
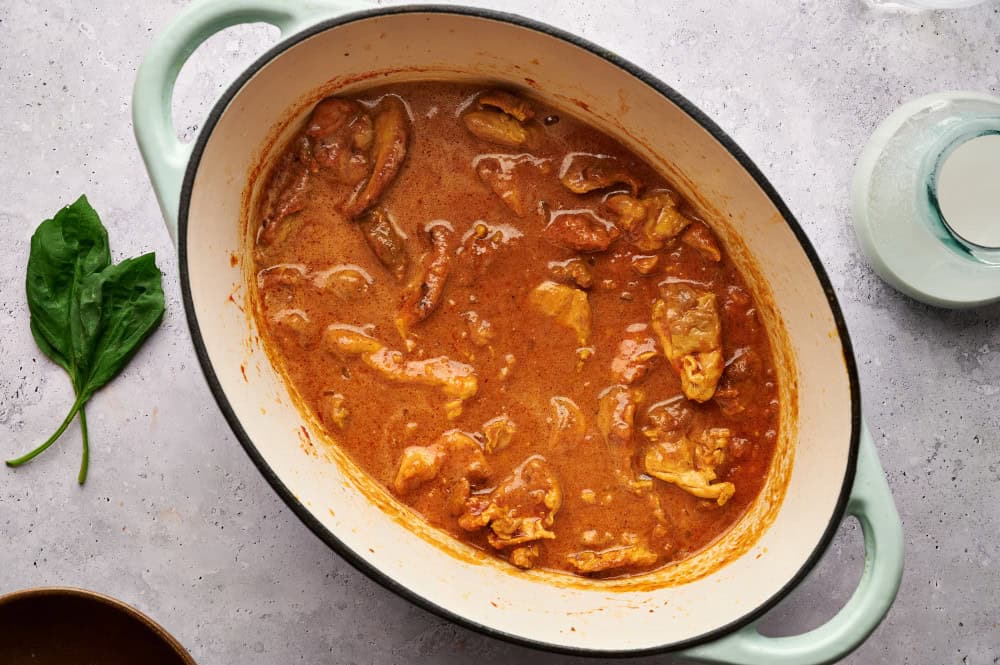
x,y
547,463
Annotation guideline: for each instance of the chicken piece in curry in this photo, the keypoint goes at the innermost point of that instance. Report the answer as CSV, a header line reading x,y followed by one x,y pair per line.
x,y
515,325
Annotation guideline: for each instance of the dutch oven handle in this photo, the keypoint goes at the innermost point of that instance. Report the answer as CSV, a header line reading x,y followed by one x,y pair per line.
x,y
165,156
871,502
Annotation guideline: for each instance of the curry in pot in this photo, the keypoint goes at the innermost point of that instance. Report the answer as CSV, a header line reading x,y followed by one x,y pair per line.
x,y
516,326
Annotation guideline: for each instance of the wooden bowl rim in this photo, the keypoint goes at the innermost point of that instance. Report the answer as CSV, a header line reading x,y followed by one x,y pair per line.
x,y
103,599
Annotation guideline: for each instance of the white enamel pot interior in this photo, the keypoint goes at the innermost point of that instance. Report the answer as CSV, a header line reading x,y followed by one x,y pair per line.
x,y
684,605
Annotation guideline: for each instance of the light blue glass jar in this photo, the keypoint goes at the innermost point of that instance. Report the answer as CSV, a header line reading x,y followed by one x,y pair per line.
x,y
925,198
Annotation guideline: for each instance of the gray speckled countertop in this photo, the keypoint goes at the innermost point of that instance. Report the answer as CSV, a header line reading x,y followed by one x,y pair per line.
x,y
176,519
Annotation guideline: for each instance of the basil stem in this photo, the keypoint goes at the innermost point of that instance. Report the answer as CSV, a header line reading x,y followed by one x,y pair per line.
x,y
85,462
27,457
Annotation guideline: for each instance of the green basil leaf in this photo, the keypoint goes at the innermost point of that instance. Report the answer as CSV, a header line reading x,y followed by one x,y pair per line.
x,y
48,349
87,315
117,310
64,251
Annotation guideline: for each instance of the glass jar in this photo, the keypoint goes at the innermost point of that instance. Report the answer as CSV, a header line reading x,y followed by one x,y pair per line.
x,y
926,199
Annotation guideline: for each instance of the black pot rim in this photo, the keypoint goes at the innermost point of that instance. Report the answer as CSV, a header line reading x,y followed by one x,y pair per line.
x,y
325,534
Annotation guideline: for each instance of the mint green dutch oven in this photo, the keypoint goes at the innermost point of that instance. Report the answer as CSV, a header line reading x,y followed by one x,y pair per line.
x,y
826,466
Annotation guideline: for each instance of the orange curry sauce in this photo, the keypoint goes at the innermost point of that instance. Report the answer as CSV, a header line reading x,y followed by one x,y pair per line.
x,y
516,326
